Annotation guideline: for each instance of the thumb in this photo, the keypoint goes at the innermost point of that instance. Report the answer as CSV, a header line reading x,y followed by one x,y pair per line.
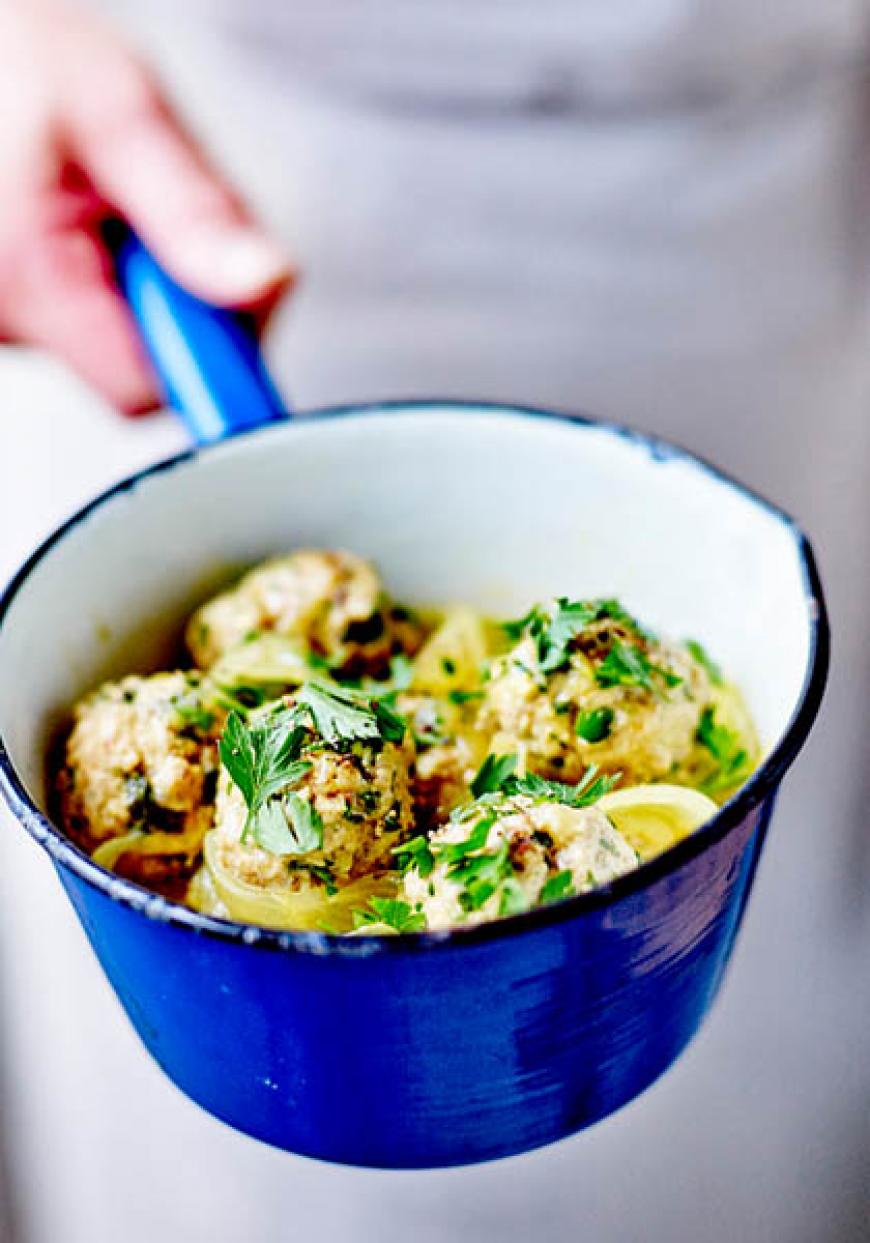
x,y
147,167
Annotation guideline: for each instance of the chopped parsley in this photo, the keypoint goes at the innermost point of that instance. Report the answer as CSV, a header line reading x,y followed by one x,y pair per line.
x,y
191,714
492,774
705,660
393,912
479,876
625,665
242,697
263,761
514,630
479,873
482,872
287,824
588,790
450,852
496,784
342,715
555,627
325,876
464,697
628,665
415,854
563,625
512,898
556,887
733,763
594,725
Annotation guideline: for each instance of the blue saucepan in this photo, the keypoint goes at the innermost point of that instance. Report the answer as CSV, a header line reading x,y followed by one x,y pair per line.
x,y
429,1049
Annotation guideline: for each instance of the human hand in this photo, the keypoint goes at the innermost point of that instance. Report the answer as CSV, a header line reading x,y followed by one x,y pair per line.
x,y
87,134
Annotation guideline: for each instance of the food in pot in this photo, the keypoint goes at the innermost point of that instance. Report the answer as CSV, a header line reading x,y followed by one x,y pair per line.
x,y
341,761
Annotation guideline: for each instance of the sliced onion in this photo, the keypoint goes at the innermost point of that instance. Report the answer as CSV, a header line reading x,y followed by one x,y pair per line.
x,y
282,908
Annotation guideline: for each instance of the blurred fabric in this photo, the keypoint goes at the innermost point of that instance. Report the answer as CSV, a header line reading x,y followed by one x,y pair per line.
x,y
656,211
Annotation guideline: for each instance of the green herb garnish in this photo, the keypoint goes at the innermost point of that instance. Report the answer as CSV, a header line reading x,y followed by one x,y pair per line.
x,y
588,790
512,898
625,665
515,629
342,715
325,876
705,660
496,783
191,713
556,887
594,725
554,637
479,876
628,665
241,698
556,627
263,761
481,873
338,715
415,854
492,774
464,697
450,852
288,825
733,763
393,912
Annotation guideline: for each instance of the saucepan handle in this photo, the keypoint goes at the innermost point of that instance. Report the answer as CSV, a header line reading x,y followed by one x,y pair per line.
x,y
207,358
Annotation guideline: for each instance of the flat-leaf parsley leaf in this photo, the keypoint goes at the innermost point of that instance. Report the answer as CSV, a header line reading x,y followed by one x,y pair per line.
x,y
342,715
628,665
556,887
416,854
588,790
594,725
393,912
288,825
705,660
493,773
733,762
263,761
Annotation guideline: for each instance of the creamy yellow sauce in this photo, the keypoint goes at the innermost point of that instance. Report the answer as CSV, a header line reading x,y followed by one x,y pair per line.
x,y
335,759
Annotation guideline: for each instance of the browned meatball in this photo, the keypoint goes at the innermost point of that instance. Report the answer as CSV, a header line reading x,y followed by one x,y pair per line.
x,y
333,602
141,762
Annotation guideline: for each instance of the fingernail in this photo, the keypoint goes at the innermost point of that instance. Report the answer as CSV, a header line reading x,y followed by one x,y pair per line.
x,y
249,261
239,264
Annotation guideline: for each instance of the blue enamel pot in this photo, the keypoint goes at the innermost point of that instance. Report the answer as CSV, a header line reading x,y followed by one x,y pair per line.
x,y
428,1049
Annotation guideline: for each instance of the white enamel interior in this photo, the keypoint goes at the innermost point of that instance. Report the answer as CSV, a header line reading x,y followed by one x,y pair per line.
x,y
489,507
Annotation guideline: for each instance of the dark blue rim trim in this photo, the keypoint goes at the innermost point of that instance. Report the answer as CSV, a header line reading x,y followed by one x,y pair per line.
x,y
760,787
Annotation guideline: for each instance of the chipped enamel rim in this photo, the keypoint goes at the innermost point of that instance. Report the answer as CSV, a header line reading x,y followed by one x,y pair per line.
x,y
760,787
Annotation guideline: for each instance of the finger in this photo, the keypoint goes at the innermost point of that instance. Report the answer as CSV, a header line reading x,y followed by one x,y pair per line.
x,y
145,165
65,301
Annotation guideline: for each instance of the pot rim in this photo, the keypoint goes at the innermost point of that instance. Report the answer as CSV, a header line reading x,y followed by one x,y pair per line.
x,y
761,786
